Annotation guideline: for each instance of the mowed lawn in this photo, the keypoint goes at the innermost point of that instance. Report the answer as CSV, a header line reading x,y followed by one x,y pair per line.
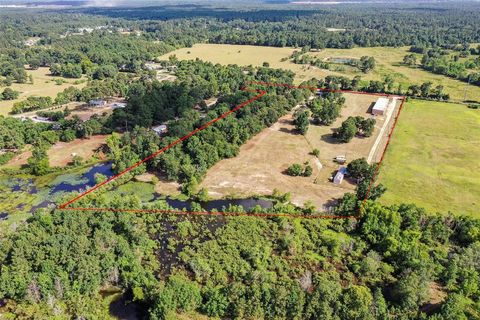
x,y
389,62
433,158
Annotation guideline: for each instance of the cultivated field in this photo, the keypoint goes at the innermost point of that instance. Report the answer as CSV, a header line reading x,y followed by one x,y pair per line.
x,y
259,168
388,63
43,85
432,159
60,154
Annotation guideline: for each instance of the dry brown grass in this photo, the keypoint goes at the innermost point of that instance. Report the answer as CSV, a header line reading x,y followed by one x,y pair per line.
x,y
259,168
389,62
60,154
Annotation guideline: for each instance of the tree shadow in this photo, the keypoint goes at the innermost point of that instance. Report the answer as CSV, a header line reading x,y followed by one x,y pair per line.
x,y
329,138
370,108
290,131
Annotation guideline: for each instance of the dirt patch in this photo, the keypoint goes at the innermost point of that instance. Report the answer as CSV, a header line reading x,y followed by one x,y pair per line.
x,y
259,168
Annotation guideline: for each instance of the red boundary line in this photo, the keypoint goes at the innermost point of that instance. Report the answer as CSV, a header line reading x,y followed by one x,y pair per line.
x,y
261,93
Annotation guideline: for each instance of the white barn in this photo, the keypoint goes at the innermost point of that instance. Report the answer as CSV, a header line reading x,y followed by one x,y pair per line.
x,y
380,106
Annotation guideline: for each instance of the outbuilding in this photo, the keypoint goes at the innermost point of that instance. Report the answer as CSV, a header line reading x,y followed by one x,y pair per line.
x,y
380,106
97,103
340,175
160,129
119,105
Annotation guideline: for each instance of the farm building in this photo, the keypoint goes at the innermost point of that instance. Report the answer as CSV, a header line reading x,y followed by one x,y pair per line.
x,y
97,103
340,175
380,106
160,129
118,105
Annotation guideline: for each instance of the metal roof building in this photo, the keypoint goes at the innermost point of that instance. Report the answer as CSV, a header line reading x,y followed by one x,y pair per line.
x,y
380,106
340,175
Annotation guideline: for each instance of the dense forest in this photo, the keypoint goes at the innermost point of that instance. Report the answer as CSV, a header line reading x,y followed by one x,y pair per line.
x,y
393,262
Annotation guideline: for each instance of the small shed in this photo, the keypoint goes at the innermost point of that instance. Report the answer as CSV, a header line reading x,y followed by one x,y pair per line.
x,y
340,175
160,129
341,159
380,106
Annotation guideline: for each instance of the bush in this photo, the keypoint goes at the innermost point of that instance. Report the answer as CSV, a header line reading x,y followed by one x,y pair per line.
x,y
295,170
307,172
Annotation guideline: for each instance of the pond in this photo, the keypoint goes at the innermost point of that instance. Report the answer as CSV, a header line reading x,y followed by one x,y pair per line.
x,y
340,60
79,182
247,204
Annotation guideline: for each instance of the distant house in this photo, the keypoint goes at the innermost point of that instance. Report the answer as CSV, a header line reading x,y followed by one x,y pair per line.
x,y
153,66
340,175
41,119
161,129
119,105
211,102
380,106
97,103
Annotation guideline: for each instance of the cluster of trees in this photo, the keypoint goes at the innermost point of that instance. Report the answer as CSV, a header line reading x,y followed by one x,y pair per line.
x,y
364,175
9,94
99,55
326,107
12,69
365,63
353,126
435,62
426,90
14,133
32,103
302,121
68,70
282,26
440,61
152,103
297,169
391,262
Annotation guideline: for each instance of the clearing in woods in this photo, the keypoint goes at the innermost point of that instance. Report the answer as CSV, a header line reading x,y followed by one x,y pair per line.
x,y
389,62
260,165
432,159
60,154
44,85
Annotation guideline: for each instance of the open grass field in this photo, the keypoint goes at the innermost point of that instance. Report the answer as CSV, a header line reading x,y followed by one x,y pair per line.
x,y
43,85
260,166
60,154
388,63
432,159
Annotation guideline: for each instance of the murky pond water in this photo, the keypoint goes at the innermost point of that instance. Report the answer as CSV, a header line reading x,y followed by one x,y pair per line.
x,y
79,182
